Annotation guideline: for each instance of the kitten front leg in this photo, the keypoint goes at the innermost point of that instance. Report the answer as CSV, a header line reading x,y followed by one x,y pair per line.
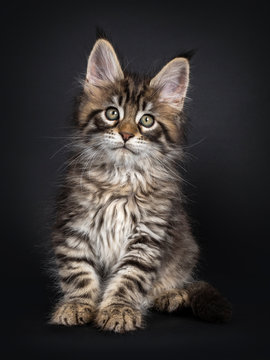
x,y
124,299
78,279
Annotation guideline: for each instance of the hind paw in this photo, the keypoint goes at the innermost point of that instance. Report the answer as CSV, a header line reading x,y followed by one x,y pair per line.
x,y
171,300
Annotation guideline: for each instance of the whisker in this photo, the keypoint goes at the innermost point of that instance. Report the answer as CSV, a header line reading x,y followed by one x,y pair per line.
x,y
195,144
61,148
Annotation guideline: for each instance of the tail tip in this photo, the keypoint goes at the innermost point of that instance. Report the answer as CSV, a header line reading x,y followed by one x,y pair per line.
x,y
209,305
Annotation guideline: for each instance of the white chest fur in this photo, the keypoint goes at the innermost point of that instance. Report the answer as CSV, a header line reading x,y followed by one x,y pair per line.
x,y
113,217
114,210
110,228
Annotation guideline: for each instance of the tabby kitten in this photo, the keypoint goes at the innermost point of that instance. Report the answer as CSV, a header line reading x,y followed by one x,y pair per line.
x,y
122,240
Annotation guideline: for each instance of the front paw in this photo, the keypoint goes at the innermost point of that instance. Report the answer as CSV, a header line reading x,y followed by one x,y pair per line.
x,y
73,313
119,318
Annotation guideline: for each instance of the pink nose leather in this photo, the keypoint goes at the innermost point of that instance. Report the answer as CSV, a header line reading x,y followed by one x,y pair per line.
x,y
126,135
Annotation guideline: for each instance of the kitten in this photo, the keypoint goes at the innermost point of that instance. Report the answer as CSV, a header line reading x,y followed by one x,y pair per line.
x,y
122,240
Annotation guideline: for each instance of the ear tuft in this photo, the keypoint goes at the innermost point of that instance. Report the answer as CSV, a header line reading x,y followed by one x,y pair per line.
x,y
172,82
187,54
101,34
103,65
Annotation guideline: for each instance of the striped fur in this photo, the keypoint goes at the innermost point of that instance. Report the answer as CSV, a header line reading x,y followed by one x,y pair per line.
x,y
121,238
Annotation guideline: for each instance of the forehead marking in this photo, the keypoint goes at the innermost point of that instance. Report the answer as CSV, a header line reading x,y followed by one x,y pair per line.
x,y
126,90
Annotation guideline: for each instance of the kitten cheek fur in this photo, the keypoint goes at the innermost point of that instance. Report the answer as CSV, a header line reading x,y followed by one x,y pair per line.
x,y
122,240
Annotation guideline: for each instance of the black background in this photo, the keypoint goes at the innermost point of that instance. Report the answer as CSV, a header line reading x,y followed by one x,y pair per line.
x,y
44,51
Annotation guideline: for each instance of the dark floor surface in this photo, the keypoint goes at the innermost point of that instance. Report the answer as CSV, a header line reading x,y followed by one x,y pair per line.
x,y
166,336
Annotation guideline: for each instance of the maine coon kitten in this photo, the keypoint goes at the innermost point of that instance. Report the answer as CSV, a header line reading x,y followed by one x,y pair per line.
x,y
121,239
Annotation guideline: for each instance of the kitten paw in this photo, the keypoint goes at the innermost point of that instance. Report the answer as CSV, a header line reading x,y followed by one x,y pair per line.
x,y
119,318
171,300
71,314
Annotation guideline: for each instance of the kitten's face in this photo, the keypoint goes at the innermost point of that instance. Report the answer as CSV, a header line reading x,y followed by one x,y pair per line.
x,y
125,120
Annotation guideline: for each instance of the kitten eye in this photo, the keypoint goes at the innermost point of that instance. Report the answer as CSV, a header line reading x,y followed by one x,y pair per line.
x,y
112,113
147,120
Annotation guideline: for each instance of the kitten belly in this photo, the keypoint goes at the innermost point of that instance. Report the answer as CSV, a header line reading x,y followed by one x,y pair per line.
x,y
110,228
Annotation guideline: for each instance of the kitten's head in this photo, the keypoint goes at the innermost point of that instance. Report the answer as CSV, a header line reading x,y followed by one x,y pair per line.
x,y
124,119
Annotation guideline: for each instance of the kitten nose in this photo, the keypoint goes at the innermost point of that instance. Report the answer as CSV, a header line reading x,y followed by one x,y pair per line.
x,y
126,135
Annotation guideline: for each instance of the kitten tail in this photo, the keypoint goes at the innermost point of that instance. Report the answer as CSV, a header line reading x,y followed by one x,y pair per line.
x,y
207,303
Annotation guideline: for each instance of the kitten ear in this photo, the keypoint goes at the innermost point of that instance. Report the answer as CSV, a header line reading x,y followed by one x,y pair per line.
x,y
103,65
172,82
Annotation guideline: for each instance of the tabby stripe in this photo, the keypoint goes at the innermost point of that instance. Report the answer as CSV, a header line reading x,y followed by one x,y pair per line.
x,y
154,135
120,304
138,265
100,223
139,97
90,117
141,278
126,90
137,283
129,286
66,258
61,223
124,209
83,296
82,283
121,292
143,105
100,126
145,241
68,231
71,278
166,132
120,100
133,217
133,96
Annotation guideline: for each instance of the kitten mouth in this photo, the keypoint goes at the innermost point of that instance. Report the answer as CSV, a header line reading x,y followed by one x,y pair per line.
x,y
124,148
